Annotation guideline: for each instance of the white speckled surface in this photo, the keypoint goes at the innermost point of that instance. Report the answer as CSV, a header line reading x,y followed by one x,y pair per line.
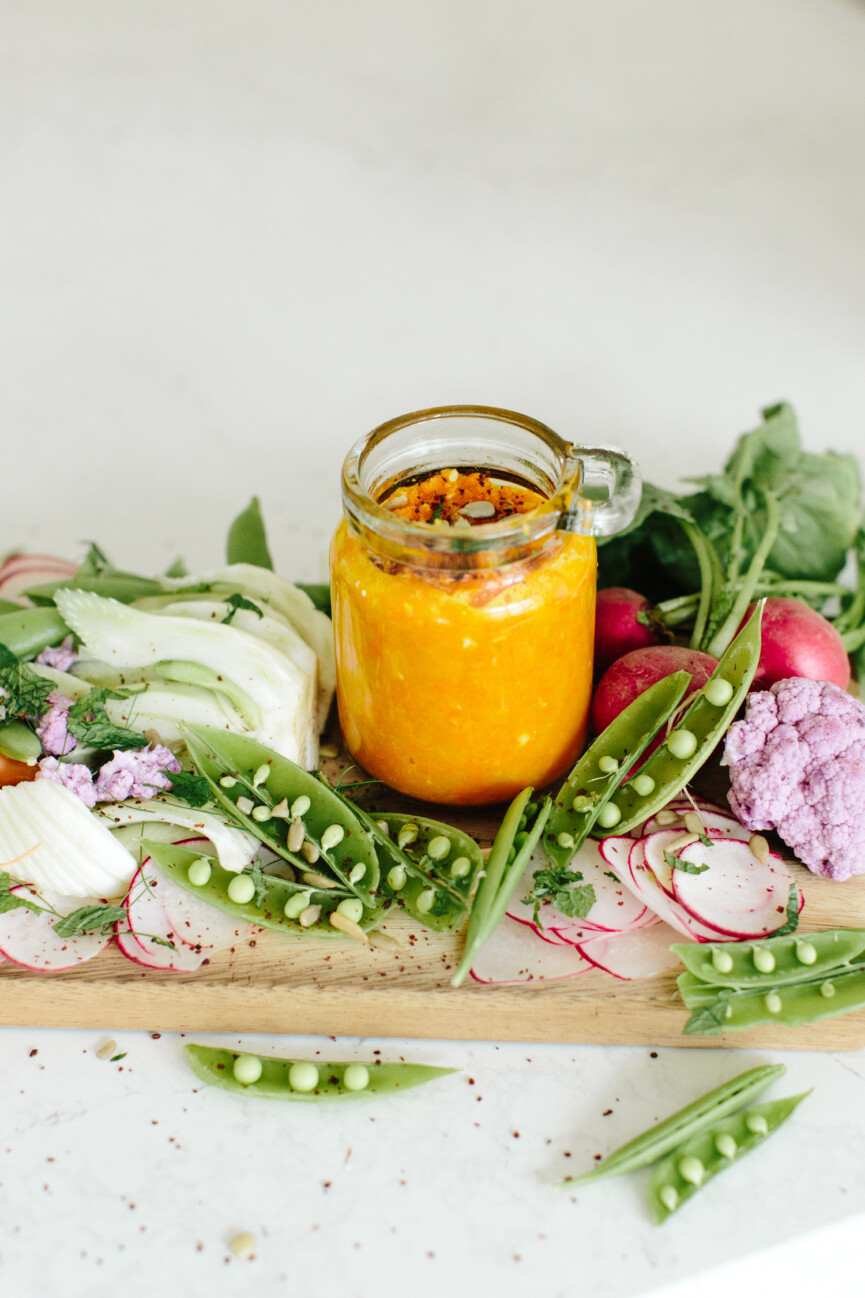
x,y
233,238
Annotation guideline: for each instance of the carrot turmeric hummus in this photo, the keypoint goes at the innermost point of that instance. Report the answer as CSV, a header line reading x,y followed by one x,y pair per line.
x,y
463,680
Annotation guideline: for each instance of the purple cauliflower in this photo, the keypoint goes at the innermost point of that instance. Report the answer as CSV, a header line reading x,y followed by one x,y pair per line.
x,y
72,775
797,765
61,657
138,774
52,727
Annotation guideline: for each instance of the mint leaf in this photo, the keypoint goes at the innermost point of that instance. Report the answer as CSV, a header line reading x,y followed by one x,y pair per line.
x,y
709,1020
575,902
25,692
90,919
237,602
685,866
259,884
190,788
14,900
114,1058
91,725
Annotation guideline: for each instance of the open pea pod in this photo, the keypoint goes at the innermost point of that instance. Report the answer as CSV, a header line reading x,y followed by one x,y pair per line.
x,y
586,793
684,1124
27,631
301,1080
692,740
428,867
269,912
772,961
695,1162
791,1006
266,794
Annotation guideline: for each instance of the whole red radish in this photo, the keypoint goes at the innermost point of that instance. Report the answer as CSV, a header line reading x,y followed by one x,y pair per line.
x,y
630,675
617,630
797,641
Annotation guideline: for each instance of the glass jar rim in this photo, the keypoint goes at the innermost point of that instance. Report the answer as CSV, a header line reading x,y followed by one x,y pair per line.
x,y
512,533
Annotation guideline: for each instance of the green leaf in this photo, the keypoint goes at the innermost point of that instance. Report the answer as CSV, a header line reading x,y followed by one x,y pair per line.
x,y
319,593
709,1019
191,789
14,900
259,884
91,725
792,922
556,884
685,866
237,602
90,919
25,692
115,1058
575,902
247,541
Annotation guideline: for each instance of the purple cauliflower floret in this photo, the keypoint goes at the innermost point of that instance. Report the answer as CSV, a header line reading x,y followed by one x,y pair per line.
x,y
52,730
61,658
797,765
73,775
138,774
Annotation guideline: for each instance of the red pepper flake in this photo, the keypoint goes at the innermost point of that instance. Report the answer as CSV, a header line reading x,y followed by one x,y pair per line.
x,y
33,1052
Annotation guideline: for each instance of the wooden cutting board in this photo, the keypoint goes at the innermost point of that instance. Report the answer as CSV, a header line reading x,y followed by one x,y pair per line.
x,y
281,985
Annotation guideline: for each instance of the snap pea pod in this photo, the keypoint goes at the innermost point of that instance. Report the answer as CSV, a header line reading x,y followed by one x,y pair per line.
x,y
791,1006
695,1162
587,791
683,1124
122,586
428,867
772,961
176,861
694,738
301,1080
19,742
505,867
28,631
267,794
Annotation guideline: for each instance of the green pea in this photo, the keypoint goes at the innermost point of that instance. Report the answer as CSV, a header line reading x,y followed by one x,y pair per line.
x,y
718,691
425,900
333,1081
303,1076
806,953
296,904
756,1123
691,1170
684,1125
260,776
582,802
764,960
643,785
199,872
241,889
773,1003
247,1069
682,744
609,815
669,1197
19,742
333,835
532,809
460,867
407,835
726,1144
300,806
827,989
356,1077
607,764
438,848
227,781
396,877
356,873
352,908
565,839
722,961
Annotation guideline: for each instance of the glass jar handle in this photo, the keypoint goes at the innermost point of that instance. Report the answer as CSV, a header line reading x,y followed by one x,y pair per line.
x,y
606,495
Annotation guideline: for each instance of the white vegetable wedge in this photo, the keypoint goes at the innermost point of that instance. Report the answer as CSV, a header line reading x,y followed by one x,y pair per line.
x,y
235,848
28,937
68,850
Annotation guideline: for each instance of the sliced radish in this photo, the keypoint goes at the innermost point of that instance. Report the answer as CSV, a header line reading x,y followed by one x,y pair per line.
x,y
654,847
737,896
646,887
635,954
21,571
28,938
513,955
145,920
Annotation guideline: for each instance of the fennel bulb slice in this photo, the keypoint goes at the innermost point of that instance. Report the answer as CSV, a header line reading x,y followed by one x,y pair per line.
x,y
293,604
235,847
128,637
68,850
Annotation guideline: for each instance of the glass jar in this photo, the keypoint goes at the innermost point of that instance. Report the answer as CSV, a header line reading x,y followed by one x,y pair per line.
x,y
464,652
